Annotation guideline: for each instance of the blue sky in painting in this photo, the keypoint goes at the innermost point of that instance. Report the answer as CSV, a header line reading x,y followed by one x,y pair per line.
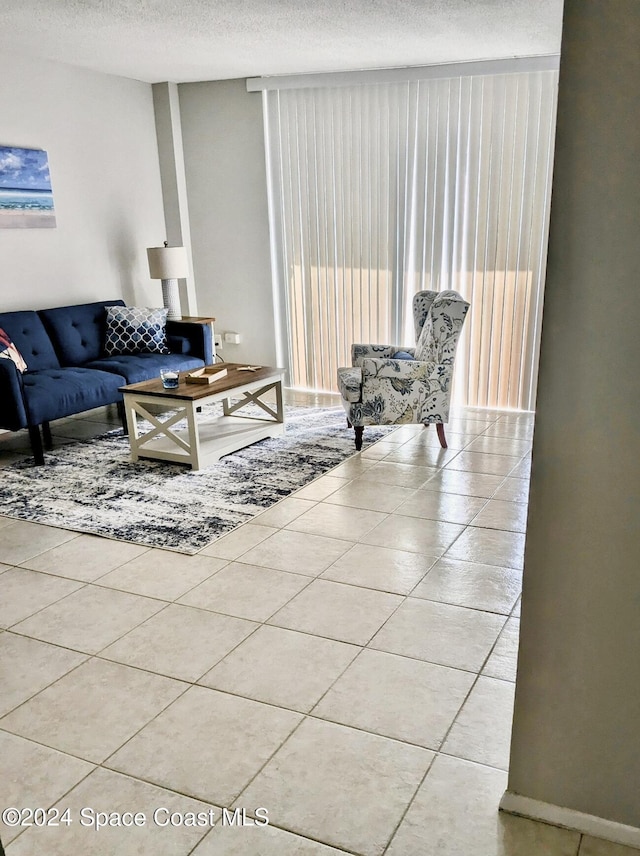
x,y
24,169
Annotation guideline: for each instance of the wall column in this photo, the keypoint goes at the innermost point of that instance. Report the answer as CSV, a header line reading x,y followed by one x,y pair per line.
x,y
575,753
166,104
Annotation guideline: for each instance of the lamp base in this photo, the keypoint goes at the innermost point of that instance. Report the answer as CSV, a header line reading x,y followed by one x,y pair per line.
x,y
171,299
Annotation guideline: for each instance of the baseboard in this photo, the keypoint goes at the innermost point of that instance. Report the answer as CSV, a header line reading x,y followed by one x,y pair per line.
x,y
568,818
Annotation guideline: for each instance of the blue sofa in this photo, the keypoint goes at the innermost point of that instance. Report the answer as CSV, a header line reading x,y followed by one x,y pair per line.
x,y
67,371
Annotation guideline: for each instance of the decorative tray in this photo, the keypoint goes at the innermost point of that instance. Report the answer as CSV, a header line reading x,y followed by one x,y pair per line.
x,y
208,374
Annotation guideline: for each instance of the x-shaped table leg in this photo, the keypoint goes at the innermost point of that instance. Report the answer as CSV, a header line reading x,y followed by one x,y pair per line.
x,y
161,428
255,398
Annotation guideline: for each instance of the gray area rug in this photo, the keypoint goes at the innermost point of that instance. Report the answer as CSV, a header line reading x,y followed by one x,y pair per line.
x,y
93,487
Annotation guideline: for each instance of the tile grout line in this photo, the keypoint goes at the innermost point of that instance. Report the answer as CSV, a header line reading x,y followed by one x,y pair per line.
x,y
410,803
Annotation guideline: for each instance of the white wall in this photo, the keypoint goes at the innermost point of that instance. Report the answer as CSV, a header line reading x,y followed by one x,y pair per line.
x,y
225,169
576,730
100,135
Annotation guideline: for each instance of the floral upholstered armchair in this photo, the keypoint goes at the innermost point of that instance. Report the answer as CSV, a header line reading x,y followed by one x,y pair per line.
x,y
391,385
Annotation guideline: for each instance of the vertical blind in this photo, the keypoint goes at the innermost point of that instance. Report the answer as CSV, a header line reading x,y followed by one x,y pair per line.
x,y
382,189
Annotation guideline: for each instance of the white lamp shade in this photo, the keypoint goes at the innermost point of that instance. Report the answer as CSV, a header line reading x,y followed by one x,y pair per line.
x,y
167,262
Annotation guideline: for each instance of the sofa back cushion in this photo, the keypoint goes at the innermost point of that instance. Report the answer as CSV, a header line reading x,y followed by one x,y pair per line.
x,y
78,332
28,334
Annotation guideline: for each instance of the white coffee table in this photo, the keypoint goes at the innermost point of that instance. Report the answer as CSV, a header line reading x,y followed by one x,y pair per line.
x,y
204,440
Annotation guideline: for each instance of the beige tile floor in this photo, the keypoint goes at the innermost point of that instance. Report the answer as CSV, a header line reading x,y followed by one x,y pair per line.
x,y
346,660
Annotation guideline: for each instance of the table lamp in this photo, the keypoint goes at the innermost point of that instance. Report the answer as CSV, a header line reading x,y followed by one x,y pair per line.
x,y
169,264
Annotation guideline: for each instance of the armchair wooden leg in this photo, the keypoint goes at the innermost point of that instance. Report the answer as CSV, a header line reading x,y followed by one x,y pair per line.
x,y
36,444
359,432
46,435
441,437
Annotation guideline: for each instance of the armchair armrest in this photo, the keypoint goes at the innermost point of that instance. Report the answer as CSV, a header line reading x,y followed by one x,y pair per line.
x,y
12,410
395,369
178,344
190,338
360,352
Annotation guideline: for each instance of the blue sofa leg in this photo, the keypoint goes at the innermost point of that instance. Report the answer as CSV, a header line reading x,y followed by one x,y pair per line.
x,y
36,444
123,417
46,436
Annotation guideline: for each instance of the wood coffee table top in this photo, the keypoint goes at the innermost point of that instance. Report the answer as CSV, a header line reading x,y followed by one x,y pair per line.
x,y
235,377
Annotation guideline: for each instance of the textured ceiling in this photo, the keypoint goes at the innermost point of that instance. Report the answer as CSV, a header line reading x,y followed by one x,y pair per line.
x,y
187,40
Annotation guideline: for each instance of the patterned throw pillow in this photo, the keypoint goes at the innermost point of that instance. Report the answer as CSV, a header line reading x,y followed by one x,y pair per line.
x,y
132,330
8,351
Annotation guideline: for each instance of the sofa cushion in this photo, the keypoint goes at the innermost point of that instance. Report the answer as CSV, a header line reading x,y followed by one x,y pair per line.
x,y
8,351
54,393
28,334
136,330
78,332
138,367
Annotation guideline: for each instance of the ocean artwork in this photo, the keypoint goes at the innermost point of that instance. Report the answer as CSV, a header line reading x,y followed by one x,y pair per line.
x,y
26,199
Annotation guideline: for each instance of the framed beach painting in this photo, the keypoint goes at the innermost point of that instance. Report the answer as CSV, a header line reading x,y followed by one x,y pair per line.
x,y
26,200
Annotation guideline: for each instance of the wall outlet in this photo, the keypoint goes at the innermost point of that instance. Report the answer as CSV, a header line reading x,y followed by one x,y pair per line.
x,y
217,340
232,338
